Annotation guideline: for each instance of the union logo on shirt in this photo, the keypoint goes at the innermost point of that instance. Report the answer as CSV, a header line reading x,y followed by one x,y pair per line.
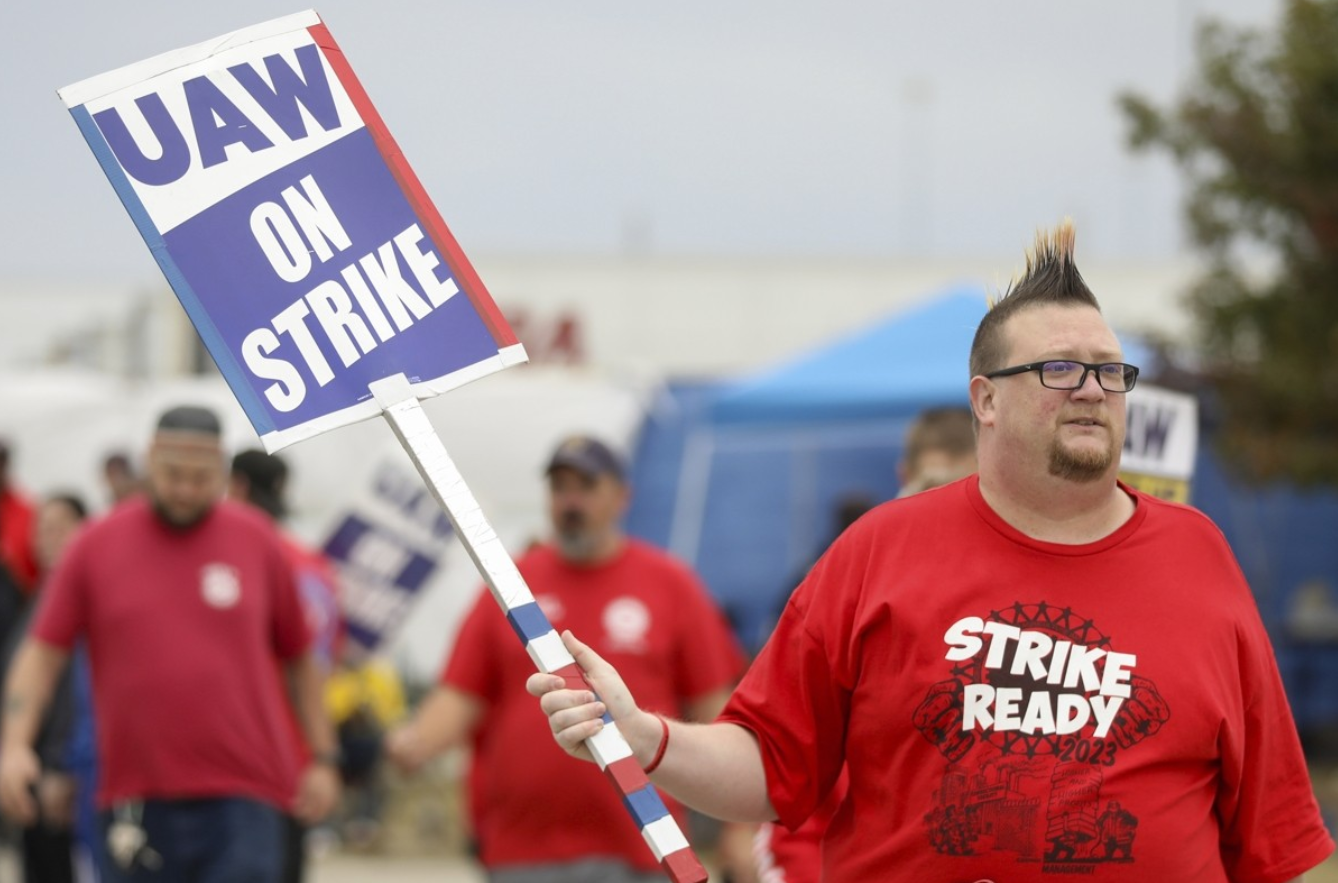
x,y
552,607
626,623
220,585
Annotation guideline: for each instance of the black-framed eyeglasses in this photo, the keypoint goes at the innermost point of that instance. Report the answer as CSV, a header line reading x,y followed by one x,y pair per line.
x,y
1067,374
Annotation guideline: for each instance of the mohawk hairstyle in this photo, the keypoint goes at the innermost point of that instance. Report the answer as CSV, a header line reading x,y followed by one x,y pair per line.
x,y
1051,277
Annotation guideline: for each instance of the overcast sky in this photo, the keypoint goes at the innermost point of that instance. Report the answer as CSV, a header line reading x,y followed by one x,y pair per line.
x,y
727,127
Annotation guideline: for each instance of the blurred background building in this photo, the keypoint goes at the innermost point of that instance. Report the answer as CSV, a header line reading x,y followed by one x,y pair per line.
x,y
711,316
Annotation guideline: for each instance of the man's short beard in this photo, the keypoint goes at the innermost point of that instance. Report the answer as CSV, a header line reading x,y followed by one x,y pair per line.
x,y
576,545
1082,466
175,523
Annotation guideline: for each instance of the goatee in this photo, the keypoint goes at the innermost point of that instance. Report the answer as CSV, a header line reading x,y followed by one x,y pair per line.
x,y
576,545
1084,465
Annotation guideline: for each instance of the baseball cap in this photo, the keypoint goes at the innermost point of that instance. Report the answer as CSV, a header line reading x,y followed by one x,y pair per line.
x,y
588,456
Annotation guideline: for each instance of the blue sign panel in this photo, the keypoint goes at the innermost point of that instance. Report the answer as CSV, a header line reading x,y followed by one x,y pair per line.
x,y
287,221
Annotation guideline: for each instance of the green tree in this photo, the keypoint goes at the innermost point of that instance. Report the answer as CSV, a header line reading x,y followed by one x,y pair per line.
x,y
1256,135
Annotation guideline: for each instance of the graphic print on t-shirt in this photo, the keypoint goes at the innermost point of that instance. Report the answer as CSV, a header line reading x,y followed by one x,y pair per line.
x,y
1038,709
626,623
220,585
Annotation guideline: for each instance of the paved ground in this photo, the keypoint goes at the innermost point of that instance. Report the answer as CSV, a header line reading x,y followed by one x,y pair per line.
x,y
386,869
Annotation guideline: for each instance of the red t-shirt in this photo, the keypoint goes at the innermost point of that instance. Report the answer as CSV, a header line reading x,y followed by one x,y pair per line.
x,y
1011,709
646,614
17,554
183,631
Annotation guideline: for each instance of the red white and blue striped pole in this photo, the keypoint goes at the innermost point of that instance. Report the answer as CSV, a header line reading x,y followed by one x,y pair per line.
x,y
401,409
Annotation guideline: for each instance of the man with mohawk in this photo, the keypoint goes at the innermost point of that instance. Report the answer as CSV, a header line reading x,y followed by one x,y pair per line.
x,y
1031,673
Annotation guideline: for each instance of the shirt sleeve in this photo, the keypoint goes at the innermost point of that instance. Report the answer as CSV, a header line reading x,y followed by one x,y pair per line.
x,y
470,666
795,697
1271,826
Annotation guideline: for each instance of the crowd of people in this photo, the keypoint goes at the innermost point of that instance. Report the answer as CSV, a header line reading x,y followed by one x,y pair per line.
x,y
1019,669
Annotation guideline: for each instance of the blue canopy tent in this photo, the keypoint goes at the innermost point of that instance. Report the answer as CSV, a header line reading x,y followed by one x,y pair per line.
x,y
741,479
914,359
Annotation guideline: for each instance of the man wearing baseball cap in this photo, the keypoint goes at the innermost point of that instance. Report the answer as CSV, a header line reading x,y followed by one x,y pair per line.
x,y
537,816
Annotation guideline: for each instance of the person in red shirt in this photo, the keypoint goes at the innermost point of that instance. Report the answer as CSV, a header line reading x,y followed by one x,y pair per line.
x,y
536,816
1032,673
18,554
186,601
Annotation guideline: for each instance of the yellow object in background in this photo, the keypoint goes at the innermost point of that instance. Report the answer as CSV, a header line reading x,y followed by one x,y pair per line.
x,y
372,687
1174,489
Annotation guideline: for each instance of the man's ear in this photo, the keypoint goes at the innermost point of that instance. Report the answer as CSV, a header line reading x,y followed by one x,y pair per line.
x,y
982,391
